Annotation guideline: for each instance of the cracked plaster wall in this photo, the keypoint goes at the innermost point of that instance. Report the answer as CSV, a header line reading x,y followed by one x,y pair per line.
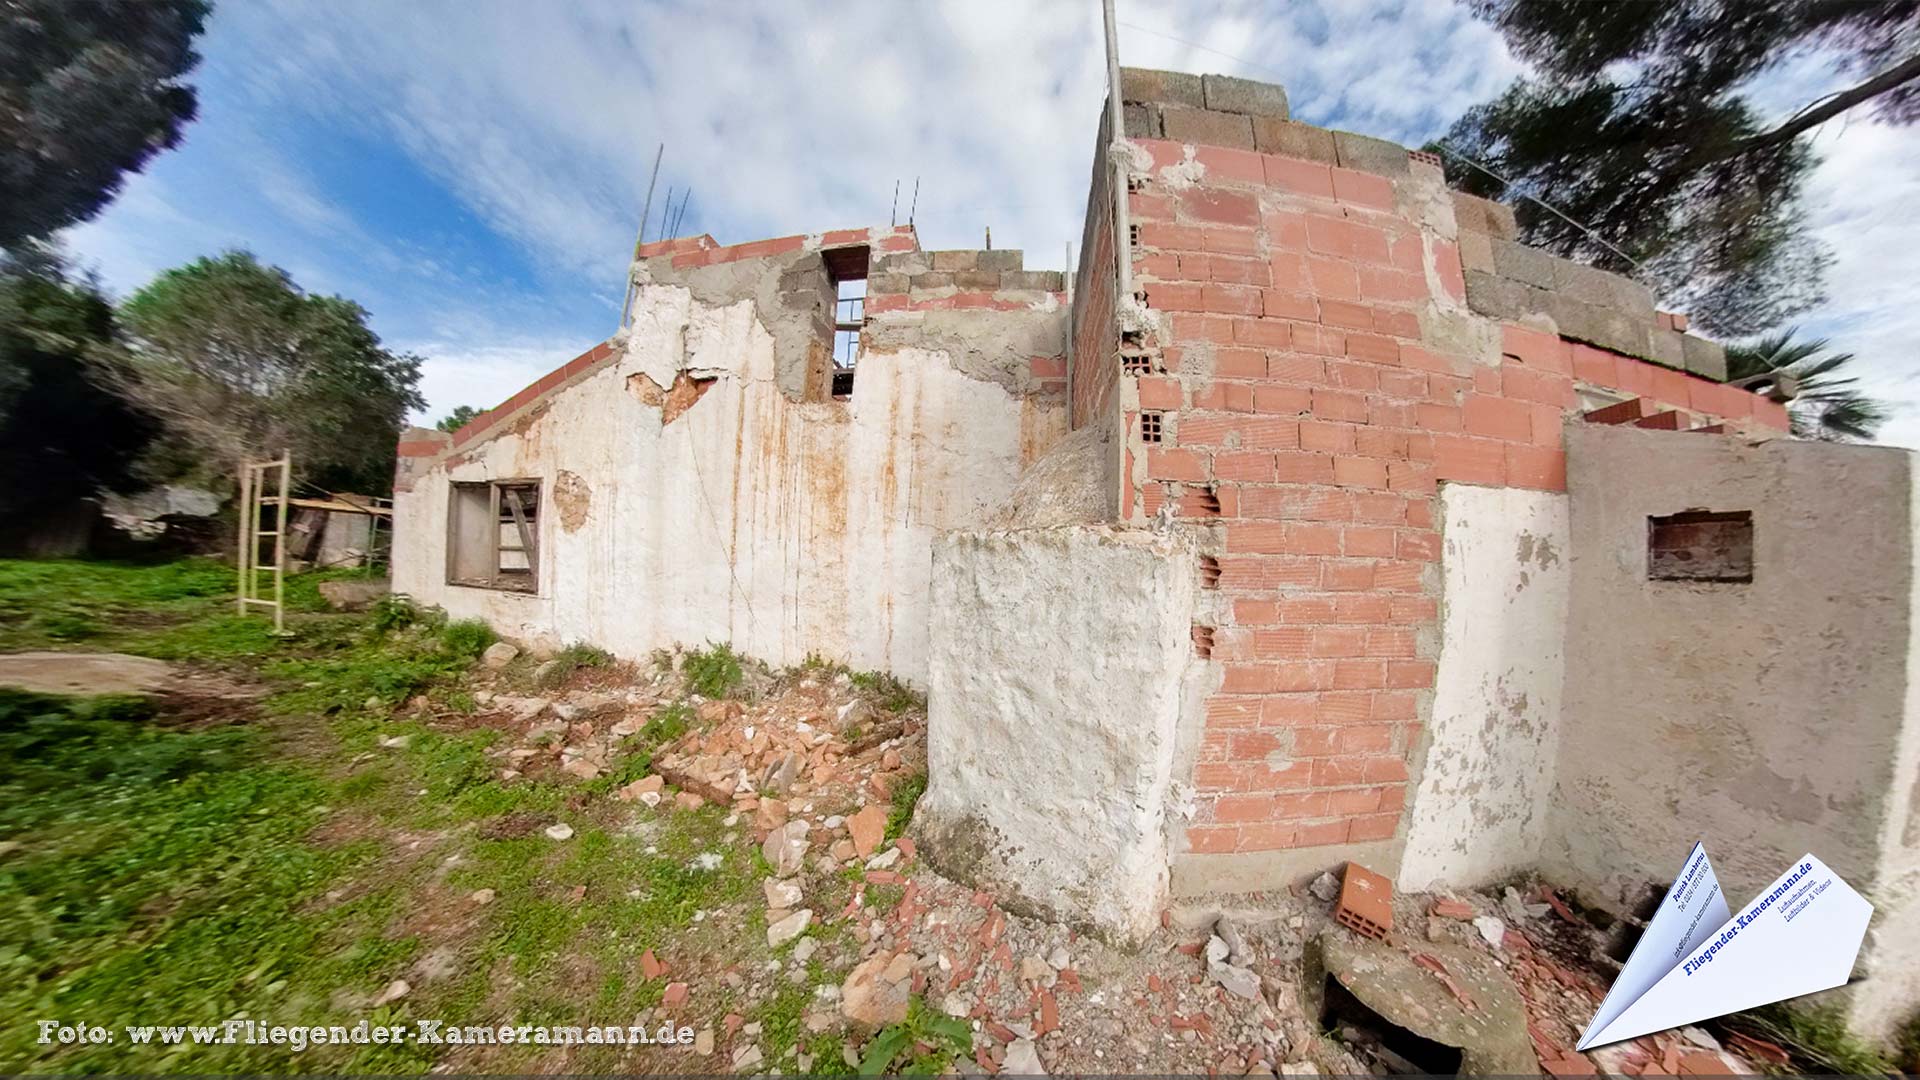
x,y
784,527
1479,812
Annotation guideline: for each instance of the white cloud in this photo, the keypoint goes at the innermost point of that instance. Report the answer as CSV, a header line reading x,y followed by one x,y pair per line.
x,y
1864,194
541,121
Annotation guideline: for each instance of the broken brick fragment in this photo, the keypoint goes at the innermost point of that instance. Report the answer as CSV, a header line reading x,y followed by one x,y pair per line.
x,y
1366,902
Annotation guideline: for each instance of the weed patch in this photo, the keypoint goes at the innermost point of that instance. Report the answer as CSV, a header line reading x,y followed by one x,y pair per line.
x,y
713,672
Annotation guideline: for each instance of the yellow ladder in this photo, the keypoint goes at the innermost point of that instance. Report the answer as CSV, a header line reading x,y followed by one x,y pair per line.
x,y
253,497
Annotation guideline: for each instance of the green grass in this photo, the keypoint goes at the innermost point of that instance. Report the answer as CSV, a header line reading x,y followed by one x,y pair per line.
x,y
714,671
284,865
891,694
1817,1038
905,797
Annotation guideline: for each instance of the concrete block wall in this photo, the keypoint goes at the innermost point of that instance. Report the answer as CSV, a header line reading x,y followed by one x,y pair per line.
x,y
1510,281
936,280
1320,372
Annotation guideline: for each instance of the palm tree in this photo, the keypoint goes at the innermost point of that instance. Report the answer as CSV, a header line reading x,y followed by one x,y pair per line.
x,y
1829,406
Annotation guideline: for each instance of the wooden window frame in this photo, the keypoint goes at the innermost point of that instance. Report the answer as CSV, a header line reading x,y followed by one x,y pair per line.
x,y
502,495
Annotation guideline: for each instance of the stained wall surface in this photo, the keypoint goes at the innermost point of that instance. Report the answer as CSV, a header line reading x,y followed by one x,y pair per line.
x,y
1479,812
1767,718
1055,704
783,527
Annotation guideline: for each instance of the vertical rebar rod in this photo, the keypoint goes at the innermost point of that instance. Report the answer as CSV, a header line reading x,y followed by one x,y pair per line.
x,y
1116,153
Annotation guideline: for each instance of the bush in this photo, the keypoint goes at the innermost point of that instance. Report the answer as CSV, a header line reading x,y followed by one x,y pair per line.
x,y
391,613
467,638
714,671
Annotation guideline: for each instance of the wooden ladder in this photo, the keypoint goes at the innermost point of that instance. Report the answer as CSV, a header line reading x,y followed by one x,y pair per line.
x,y
253,497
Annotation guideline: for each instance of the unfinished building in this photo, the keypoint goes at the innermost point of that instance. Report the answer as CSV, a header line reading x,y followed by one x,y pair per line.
x,y
1353,530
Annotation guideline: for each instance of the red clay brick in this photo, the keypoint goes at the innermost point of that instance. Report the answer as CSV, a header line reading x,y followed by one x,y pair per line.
x,y
1396,321
1289,400
1227,240
1270,433
1159,392
1212,840
1373,827
1360,472
1498,418
1403,384
1230,299
1319,340
1240,363
1253,467
1352,576
1218,207
1391,286
1226,396
1288,270
1331,404
1409,674
1320,834
1542,350
1373,348
1175,465
1175,296
1393,705
1295,368
1594,366
1469,460
1420,545
1287,230
1168,237
1390,642
1363,189
1229,164
1537,467
1346,315
1366,541
1329,276
1338,641
1270,333
1286,305
1532,384
1284,643
1328,437
1300,177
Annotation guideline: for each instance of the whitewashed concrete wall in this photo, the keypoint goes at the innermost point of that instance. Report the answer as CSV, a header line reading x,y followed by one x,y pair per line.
x,y
784,528
1479,812
1056,702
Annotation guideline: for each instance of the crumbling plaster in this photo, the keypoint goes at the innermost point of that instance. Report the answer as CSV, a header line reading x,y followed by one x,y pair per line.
x,y
783,527
1061,658
1479,813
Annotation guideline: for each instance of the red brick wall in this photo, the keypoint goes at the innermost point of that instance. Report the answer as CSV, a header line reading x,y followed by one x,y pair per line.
x,y
1304,409
1094,331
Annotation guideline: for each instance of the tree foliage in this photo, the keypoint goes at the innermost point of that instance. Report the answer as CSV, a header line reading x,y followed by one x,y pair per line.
x,y
90,90
1639,124
458,418
239,363
63,436
1829,405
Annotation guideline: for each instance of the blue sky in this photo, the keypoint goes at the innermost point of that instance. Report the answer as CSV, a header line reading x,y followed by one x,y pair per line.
x,y
472,173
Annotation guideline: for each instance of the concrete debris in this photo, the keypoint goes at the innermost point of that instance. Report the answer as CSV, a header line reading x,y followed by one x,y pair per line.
x,y
481,897
1519,911
395,990
787,929
786,848
562,831
781,893
352,594
1236,980
1492,930
1326,887
877,991
396,742
499,655
1453,997
1023,1059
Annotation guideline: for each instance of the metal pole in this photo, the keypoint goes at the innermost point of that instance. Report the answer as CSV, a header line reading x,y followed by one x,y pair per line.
x,y
280,546
1116,152
245,508
626,304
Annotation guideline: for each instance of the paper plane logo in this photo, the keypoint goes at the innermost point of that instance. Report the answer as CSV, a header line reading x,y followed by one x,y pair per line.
x,y
1697,960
